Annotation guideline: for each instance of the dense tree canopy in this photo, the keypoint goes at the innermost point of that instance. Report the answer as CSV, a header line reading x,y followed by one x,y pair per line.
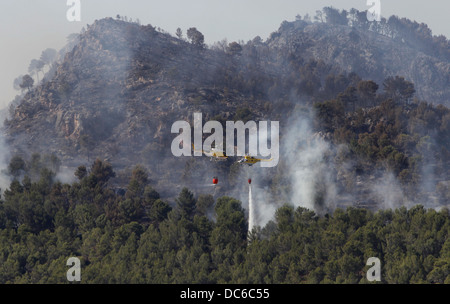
x,y
138,238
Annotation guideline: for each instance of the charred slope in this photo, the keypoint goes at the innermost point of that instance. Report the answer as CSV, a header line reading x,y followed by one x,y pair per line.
x,y
117,93
371,54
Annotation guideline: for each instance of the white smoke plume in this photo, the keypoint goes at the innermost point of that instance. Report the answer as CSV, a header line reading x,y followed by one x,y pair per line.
x,y
264,207
307,170
389,193
4,155
66,175
309,165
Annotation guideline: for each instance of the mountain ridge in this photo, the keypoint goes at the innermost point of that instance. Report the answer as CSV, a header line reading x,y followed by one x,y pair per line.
x,y
350,52
116,94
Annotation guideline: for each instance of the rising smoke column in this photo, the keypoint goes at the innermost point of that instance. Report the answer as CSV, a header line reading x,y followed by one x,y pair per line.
x,y
4,154
309,165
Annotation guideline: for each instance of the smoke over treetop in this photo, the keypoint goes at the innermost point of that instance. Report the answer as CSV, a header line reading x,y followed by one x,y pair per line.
x,y
117,92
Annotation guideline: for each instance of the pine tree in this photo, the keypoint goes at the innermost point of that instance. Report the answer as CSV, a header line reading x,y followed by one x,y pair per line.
x,y
186,204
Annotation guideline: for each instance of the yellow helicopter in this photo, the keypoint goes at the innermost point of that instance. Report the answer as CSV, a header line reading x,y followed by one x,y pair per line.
x,y
214,154
250,160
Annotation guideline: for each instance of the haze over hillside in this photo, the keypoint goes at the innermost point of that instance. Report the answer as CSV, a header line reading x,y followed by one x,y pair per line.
x,y
233,19
331,83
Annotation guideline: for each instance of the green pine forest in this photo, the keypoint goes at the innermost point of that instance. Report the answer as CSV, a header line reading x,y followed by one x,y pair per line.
x,y
136,237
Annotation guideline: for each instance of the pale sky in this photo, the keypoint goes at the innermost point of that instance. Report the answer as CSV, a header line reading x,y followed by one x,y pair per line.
x,y
27,27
